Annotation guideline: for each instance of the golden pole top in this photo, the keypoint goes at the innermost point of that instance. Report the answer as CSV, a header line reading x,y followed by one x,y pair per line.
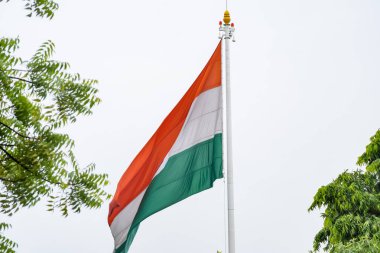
x,y
227,18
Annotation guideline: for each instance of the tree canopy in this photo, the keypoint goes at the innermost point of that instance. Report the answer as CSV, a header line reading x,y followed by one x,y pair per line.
x,y
352,207
38,97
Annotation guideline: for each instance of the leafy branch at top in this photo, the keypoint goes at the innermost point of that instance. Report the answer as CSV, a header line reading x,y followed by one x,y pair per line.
x,y
39,8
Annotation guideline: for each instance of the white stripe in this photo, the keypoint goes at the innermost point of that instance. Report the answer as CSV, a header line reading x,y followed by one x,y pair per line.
x,y
122,222
202,123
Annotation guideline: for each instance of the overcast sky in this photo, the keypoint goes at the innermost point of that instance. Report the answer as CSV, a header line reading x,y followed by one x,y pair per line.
x,y
305,96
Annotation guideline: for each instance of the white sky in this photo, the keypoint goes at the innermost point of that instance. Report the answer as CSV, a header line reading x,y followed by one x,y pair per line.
x,y
305,79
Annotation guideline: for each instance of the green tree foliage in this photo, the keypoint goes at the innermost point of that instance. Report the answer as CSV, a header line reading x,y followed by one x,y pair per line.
x,y
39,8
352,207
6,245
38,97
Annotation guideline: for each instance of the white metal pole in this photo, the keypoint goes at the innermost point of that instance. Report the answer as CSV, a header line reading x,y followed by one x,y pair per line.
x,y
228,31
230,173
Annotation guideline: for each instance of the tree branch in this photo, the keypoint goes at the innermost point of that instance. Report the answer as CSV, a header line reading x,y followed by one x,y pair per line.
x,y
21,79
10,180
9,107
28,169
6,145
16,132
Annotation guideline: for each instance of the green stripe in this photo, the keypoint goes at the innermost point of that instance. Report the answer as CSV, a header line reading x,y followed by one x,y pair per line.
x,y
186,173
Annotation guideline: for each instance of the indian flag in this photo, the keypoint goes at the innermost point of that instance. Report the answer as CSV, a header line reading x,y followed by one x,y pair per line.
x,y
182,158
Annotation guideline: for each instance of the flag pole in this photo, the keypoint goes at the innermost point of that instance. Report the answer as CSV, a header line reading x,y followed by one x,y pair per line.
x,y
228,30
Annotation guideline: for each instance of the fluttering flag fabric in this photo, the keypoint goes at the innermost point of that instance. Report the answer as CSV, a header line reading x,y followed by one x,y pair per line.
x,y
182,158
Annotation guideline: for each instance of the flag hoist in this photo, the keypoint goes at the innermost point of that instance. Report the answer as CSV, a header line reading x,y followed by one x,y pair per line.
x,y
183,157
